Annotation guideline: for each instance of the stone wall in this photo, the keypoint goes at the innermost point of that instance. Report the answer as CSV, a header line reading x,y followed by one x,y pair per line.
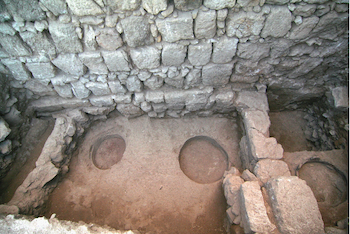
x,y
173,58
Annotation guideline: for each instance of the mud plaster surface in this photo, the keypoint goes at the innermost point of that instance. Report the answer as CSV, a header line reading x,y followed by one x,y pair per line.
x,y
146,190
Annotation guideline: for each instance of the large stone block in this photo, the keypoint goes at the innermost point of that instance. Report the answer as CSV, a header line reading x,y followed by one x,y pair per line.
x,y
94,62
116,87
6,28
39,88
294,205
39,43
256,119
174,29
187,5
57,7
116,60
129,110
244,24
65,37
253,51
64,91
173,54
102,101
133,84
25,10
79,90
147,57
224,49
14,45
17,69
124,5
303,30
70,63
216,74
250,99
84,7
50,104
278,22
219,4
154,6
199,54
42,71
98,88
197,99
254,216
193,78
266,169
155,96
205,24
137,31
108,39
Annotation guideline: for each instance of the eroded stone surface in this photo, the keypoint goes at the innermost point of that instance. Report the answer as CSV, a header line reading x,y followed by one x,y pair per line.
x,y
266,169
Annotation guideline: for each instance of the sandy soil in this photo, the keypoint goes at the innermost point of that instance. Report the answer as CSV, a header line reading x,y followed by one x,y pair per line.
x,y
146,190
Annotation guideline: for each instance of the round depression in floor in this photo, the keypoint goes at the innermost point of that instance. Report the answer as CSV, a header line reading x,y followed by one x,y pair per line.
x,y
203,160
108,151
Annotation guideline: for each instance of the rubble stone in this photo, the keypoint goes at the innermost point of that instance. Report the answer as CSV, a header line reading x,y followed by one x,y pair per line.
x,y
256,119
94,62
224,50
187,5
116,87
65,37
57,7
253,51
249,99
4,129
137,31
219,4
70,64
25,10
108,39
84,7
14,45
244,24
124,5
42,71
154,6
39,43
116,60
303,30
216,74
341,97
147,57
266,169
98,88
102,101
17,69
248,176
278,22
173,54
205,24
129,110
200,53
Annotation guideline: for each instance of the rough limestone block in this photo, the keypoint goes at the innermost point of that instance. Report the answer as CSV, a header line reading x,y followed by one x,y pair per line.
x,y
57,7
187,5
155,82
224,100
89,39
216,74
248,3
122,98
278,22
266,169
224,49
64,91
205,24
175,96
193,78
253,211
250,99
116,60
232,185
155,96
263,147
17,69
199,54
116,87
197,99
294,205
14,46
39,88
124,5
6,209
341,97
137,31
253,51
42,71
94,62
244,24
108,39
304,10
98,88
154,6
39,43
129,110
65,37
219,4
147,57
28,10
84,7
133,84
6,28
102,101
303,30
79,90
4,129
256,119
173,54
70,63
174,29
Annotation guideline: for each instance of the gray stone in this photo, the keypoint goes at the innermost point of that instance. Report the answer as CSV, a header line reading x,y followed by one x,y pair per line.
x,y
187,5
154,6
98,110
294,206
89,39
39,43
79,90
91,20
98,88
249,3
244,24
70,64
147,57
6,28
144,75
256,119
111,20
65,37
222,14
57,7
4,129
277,2
25,10
108,39
129,110
197,99
159,107
325,28
205,24
250,99
124,5
64,91
340,8
224,49
116,87
216,74
305,67
133,84
173,54
174,29
146,107
175,96
253,211
155,82
278,22
39,88
253,51
199,54
42,71
248,176
122,98
94,62
341,97
232,186
304,10
155,96
102,101
193,79
14,45
334,230
266,169
84,7
50,104
116,60
137,31
168,11
176,81
224,101
303,30
17,69
219,4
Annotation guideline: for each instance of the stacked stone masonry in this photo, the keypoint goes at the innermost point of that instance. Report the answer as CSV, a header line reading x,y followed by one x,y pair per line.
x,y
112,53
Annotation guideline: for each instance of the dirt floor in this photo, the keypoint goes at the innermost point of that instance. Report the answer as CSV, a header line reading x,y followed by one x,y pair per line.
x,y
146,190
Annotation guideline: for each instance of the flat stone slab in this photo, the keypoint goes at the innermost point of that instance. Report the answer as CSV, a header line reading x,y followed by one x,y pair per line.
x,y
294,205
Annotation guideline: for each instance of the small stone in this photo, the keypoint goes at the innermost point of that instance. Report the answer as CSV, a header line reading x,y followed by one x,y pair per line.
x,y
187,5
154,6
116,60
341,97
4,129
116,87
248,176
168,11
147,57
41,25
111,20
79,90
129,110
103,101
155,82
133,84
